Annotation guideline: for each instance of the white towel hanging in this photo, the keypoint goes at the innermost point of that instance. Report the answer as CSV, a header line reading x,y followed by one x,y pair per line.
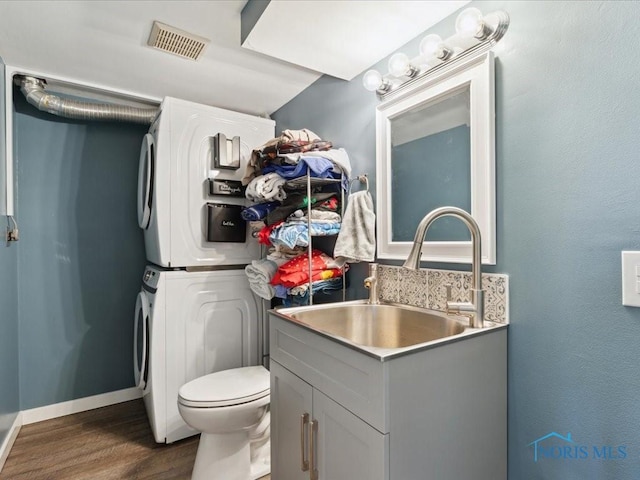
x,y
356,241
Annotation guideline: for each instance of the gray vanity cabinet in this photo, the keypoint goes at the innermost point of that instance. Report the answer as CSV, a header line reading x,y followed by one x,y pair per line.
x,y
348,447
436,413
291,399
331,441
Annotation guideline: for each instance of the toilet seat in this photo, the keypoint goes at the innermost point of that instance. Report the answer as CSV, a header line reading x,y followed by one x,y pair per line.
x,y
226,388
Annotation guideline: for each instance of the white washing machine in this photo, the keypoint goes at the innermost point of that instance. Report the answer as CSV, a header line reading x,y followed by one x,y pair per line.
x,y
189,324
189,197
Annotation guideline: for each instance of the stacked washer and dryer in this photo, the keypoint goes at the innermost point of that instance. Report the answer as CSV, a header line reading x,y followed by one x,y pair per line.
x,y
195,313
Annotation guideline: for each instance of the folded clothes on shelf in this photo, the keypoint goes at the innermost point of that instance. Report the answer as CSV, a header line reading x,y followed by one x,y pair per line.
x,y
338,156
281,254
283,290
269,187
289,141
264,234
317,216
297,234
296,271
317,167
300,295
296,201
318,286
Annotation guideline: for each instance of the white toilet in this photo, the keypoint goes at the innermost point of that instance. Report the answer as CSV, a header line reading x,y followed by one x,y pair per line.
x,y
231,409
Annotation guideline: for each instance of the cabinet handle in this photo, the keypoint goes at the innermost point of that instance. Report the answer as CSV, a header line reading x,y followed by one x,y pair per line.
x,y
313,437
304,421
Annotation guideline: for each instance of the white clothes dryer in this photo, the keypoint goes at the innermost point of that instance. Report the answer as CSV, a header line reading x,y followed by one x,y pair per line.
x,y
190,324
189,194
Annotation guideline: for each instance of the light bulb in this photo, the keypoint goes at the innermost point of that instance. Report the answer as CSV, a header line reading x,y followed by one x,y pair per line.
x,y
430,45
399,65
469,23
372,80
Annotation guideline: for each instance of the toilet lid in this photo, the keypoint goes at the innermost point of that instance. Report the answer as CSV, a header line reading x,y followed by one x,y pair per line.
x,y
225,388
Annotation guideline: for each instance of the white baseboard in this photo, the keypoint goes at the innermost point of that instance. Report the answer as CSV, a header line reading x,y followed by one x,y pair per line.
x,y
56,410
5,448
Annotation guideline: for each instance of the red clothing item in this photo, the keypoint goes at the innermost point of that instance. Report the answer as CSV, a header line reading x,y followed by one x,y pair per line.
x,y
263,235
296,271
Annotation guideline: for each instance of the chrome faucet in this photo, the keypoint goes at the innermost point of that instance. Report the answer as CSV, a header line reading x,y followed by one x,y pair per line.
x,y
475,307
371,282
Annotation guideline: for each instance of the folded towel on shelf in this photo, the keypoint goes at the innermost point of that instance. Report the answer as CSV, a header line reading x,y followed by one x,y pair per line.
x,y
259,273
356,241
263,290
267,187
258,211
261,270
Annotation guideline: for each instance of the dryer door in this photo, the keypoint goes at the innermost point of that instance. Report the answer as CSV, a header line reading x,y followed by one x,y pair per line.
x,y
146,180
141,341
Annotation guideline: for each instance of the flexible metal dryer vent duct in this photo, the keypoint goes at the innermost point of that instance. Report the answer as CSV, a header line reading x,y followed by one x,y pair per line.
x,y
33,90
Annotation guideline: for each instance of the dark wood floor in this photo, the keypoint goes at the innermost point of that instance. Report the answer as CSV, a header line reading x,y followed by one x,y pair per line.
x,y
113,442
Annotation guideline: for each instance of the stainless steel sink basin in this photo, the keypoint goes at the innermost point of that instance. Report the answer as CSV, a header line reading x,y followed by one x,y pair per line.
x,y
380,326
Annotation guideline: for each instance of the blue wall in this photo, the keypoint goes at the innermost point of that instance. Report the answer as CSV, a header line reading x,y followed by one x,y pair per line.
x,y
421,174
568,197
9,383
81,254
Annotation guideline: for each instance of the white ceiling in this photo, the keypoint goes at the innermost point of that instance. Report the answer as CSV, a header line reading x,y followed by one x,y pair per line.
x,y
104,43
343,38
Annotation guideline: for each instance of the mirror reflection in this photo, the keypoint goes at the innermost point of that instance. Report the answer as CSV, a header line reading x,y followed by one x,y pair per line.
x,y
431,166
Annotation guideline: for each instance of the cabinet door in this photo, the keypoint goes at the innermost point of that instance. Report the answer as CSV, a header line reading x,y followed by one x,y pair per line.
x,y
290,399
347,448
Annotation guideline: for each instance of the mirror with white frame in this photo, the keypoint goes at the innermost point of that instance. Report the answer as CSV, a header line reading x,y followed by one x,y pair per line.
x,y
435,144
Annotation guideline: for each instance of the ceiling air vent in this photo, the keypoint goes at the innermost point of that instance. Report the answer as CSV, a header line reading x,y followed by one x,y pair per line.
x,y
173,40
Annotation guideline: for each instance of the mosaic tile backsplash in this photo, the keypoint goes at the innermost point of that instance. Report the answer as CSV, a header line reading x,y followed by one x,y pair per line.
x,y
426,288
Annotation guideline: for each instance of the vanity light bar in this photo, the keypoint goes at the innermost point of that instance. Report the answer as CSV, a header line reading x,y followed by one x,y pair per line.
x,y
473,31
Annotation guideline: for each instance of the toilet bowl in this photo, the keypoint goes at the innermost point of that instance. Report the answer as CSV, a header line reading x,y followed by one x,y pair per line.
x,y
231,409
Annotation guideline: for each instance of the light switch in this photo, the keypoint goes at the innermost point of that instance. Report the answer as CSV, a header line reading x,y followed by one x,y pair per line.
x,y
631,278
